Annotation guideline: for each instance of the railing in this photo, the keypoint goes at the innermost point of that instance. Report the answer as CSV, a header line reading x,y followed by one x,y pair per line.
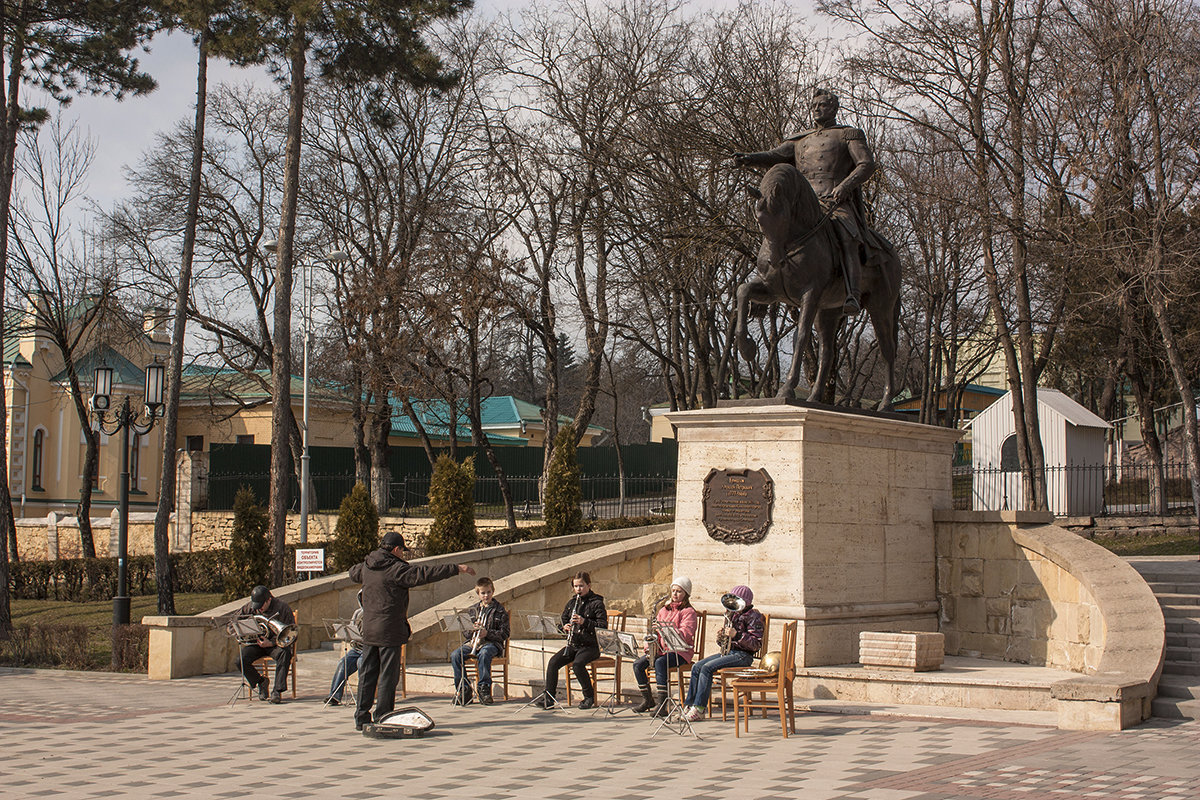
x,y
1100,490
409,496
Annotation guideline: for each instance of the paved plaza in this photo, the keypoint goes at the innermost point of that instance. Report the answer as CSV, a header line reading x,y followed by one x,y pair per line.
x,y
102,735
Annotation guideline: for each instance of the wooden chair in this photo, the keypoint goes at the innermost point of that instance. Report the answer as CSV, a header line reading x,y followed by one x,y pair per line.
x,y
605,667
682,674
724,675
779,684
266,664
499,670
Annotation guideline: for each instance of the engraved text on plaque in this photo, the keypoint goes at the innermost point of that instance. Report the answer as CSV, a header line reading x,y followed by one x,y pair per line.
x,y
737,505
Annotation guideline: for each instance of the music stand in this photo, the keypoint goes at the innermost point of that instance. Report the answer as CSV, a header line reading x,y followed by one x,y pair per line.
x,y
460,621
242,629
617,644
342,630
543,625
673,720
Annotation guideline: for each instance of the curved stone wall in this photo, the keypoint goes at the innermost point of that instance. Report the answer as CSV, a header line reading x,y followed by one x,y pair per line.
x,y
197,645
1015,587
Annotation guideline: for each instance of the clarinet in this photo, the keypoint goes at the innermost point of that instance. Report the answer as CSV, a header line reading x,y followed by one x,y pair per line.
x,y
574,627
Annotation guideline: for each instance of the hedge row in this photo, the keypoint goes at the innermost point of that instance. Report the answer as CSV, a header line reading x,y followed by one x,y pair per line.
x,y
82,579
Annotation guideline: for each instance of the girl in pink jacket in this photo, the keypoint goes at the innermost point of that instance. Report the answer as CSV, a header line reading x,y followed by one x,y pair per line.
x,y
679,614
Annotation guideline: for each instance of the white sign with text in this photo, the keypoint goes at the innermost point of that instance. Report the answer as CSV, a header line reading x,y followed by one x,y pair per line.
x,y
310,560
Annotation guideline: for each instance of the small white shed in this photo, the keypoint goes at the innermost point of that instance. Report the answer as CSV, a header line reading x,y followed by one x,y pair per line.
x,y
1073,440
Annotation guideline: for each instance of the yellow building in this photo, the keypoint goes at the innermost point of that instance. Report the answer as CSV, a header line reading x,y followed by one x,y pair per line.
x,y
45,441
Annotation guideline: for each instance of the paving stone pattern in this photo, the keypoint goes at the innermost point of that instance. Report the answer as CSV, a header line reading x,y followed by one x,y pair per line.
x,y
94,735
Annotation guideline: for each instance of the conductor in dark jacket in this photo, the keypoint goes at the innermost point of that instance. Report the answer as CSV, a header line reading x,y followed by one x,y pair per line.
x,y
386,578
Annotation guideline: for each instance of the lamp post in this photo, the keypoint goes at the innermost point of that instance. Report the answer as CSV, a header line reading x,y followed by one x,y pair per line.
x,y
307,265
123,420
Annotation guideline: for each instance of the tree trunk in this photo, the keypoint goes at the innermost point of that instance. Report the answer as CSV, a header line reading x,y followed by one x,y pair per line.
x,y
163,577
362,454
8,141
381,474
475,415
1191,439
1157,476
281,362
83,509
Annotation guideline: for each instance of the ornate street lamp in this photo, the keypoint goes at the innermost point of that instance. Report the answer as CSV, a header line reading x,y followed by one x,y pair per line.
x,y
123,420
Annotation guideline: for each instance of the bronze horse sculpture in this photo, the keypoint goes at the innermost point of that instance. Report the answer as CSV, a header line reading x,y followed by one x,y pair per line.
x,y
797,265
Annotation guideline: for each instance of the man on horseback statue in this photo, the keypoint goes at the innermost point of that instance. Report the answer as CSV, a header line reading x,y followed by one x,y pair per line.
x,y
817,254
837,161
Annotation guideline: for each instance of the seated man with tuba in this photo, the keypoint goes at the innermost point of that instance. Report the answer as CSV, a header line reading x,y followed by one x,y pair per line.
x,y
277,622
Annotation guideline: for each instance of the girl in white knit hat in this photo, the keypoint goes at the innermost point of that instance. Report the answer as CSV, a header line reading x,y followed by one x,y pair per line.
x,y
679,614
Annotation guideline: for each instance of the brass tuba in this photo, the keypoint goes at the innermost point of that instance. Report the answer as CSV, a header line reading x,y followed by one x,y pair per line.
x,y
277,631
733,605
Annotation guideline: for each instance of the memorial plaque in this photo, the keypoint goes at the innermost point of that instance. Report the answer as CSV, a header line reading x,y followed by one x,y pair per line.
x,y
737,505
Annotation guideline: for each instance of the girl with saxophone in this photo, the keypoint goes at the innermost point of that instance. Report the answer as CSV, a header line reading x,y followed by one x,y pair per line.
x,y
740,639
679,614
584,613
483,643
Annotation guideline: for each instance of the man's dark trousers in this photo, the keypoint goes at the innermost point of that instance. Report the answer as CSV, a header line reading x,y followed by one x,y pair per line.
x,y
281,655
378,671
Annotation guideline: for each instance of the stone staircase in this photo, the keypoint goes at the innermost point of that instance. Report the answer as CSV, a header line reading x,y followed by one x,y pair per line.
x,y
1176,584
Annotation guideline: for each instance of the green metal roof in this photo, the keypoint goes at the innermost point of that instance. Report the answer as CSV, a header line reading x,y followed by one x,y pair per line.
x,y
125,372
13,321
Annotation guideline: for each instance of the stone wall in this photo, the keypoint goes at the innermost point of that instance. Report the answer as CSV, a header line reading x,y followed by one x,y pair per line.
x,y
195,645
54,537
999,600
1014,586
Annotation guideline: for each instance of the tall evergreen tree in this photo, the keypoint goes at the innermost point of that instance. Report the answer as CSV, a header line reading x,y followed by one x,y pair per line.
x,y
563,493
64,48
360,41
357,529
219,27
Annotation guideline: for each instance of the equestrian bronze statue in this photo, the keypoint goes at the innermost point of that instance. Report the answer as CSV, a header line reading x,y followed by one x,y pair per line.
x,y
818,254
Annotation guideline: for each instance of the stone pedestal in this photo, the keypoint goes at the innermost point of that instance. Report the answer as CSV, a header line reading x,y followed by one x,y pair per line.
x,y
850,547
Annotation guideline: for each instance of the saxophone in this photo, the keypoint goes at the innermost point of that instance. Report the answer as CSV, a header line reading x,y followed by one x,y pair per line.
x,y
652,627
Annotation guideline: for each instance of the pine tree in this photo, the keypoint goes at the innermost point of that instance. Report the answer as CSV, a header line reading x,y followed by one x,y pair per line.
x,y
62,50
452,504
249,550
357,529
563,494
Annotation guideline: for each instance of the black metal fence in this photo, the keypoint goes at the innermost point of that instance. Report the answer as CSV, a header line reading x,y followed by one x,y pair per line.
x,y
603,497
1100,490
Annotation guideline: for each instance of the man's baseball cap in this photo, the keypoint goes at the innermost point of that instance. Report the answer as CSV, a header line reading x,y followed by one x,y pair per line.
x,y
392,539
258,596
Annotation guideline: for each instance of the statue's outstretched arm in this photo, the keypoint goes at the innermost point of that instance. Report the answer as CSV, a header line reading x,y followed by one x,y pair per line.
x,y
783,154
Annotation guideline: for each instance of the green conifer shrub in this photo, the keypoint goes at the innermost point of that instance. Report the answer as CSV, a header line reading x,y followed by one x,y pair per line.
x,y
357,530
563,493
452,504
249,550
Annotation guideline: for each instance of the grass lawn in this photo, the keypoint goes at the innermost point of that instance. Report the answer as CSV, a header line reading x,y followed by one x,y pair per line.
x,y
1159,544
96,616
